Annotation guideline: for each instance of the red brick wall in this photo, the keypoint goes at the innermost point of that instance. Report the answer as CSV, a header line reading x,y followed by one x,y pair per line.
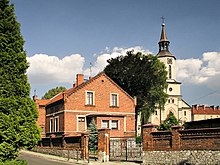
x,y
102,87
74,105
192,139
41,116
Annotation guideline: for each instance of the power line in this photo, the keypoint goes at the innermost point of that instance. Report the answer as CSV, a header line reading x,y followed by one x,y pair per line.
x,y
206,95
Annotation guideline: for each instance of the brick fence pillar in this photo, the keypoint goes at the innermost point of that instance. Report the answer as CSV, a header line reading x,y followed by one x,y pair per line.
x,y
176,137
103,144
85,145
147,139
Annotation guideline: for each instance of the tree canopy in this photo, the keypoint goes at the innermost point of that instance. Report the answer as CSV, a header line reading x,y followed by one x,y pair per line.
x,y
170,121
18,113
53,92
143,76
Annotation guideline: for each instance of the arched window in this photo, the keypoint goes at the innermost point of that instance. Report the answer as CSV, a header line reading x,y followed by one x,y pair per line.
x,y
170,72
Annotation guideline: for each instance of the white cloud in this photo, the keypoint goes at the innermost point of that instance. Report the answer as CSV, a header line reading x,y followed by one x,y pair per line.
x,y
46,69
101,60
200,71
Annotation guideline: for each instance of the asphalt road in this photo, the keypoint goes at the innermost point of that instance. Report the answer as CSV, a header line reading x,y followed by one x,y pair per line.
x,y
33,159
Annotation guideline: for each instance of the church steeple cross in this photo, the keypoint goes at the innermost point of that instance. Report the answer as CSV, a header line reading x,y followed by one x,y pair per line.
x,y
163,18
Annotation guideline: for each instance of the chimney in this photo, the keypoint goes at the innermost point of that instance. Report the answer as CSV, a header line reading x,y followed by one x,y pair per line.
x,y
35,98
79,79
195,106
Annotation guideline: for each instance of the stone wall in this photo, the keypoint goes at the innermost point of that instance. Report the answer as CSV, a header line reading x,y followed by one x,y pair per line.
x,y
193,157
66,153
178,146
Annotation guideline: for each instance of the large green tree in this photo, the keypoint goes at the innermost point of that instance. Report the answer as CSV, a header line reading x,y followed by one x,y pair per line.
x,y
170,121
18,113
143,76
53,92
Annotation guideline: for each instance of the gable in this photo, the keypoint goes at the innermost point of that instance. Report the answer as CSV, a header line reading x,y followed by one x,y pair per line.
x,y
97,81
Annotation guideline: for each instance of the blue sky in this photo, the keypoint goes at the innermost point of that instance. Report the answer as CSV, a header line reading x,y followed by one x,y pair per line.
x,y
63,37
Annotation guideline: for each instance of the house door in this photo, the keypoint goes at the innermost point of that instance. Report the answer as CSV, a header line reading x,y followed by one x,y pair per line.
x,y
81,124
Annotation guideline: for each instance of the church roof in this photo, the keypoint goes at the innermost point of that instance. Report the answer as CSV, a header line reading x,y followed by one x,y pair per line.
x,y
163,36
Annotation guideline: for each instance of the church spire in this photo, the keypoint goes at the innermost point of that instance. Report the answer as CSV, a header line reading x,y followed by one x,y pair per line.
x,y
164,42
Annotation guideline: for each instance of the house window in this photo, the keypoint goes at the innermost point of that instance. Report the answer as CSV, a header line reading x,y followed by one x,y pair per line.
x,y
168,100
51,124
105,123
172,100
170,73
155,112
81,119
114,99
114,124
56,124
90,98
184,113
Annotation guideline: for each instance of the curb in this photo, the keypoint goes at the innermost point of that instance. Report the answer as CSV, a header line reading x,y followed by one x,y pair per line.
x,y
53,157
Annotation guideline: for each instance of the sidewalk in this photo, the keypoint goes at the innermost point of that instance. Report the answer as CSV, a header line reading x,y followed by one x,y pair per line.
x,y
80,162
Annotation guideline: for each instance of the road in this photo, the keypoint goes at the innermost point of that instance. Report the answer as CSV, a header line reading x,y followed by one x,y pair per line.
x,y
35,159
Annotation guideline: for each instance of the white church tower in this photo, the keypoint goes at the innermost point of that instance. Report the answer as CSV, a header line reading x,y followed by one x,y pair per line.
x,y
175,103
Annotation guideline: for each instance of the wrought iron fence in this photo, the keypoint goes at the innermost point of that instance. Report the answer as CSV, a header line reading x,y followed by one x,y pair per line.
x,y
125,149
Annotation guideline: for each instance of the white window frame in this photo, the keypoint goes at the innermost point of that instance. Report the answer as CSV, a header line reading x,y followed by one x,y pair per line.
x,y
56,124
110,124
87,102
51,125
118,123
107,125
77,121
111,100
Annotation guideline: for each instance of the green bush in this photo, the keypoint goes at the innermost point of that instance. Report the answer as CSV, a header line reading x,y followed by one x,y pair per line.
x,y
14,162
139,139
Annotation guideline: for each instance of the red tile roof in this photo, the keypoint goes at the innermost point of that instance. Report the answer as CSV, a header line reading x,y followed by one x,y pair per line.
x,y
74,89
205,110
42,102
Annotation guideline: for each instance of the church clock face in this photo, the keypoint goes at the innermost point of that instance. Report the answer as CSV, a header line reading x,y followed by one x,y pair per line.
x,y
169,61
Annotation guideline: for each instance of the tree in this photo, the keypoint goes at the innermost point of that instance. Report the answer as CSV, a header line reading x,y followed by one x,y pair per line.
x,y
18,113
93,136
143,76
53,92
171,120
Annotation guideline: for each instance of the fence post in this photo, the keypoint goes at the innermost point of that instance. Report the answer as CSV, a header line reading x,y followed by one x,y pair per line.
x,y
176,137
85,145
63,142
103,144
147,139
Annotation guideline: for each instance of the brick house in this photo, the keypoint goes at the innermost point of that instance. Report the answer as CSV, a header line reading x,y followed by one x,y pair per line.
x,y
41,104
202,112
99,98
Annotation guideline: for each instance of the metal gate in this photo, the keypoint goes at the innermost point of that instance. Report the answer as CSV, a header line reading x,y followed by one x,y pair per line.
x,y
122,149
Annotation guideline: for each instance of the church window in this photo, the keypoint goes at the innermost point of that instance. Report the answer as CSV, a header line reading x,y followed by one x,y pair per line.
x,y
172,100
170,73
184,113
168,100
155,112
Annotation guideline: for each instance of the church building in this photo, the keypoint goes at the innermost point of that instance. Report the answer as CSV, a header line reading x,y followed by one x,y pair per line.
x,y
175,102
